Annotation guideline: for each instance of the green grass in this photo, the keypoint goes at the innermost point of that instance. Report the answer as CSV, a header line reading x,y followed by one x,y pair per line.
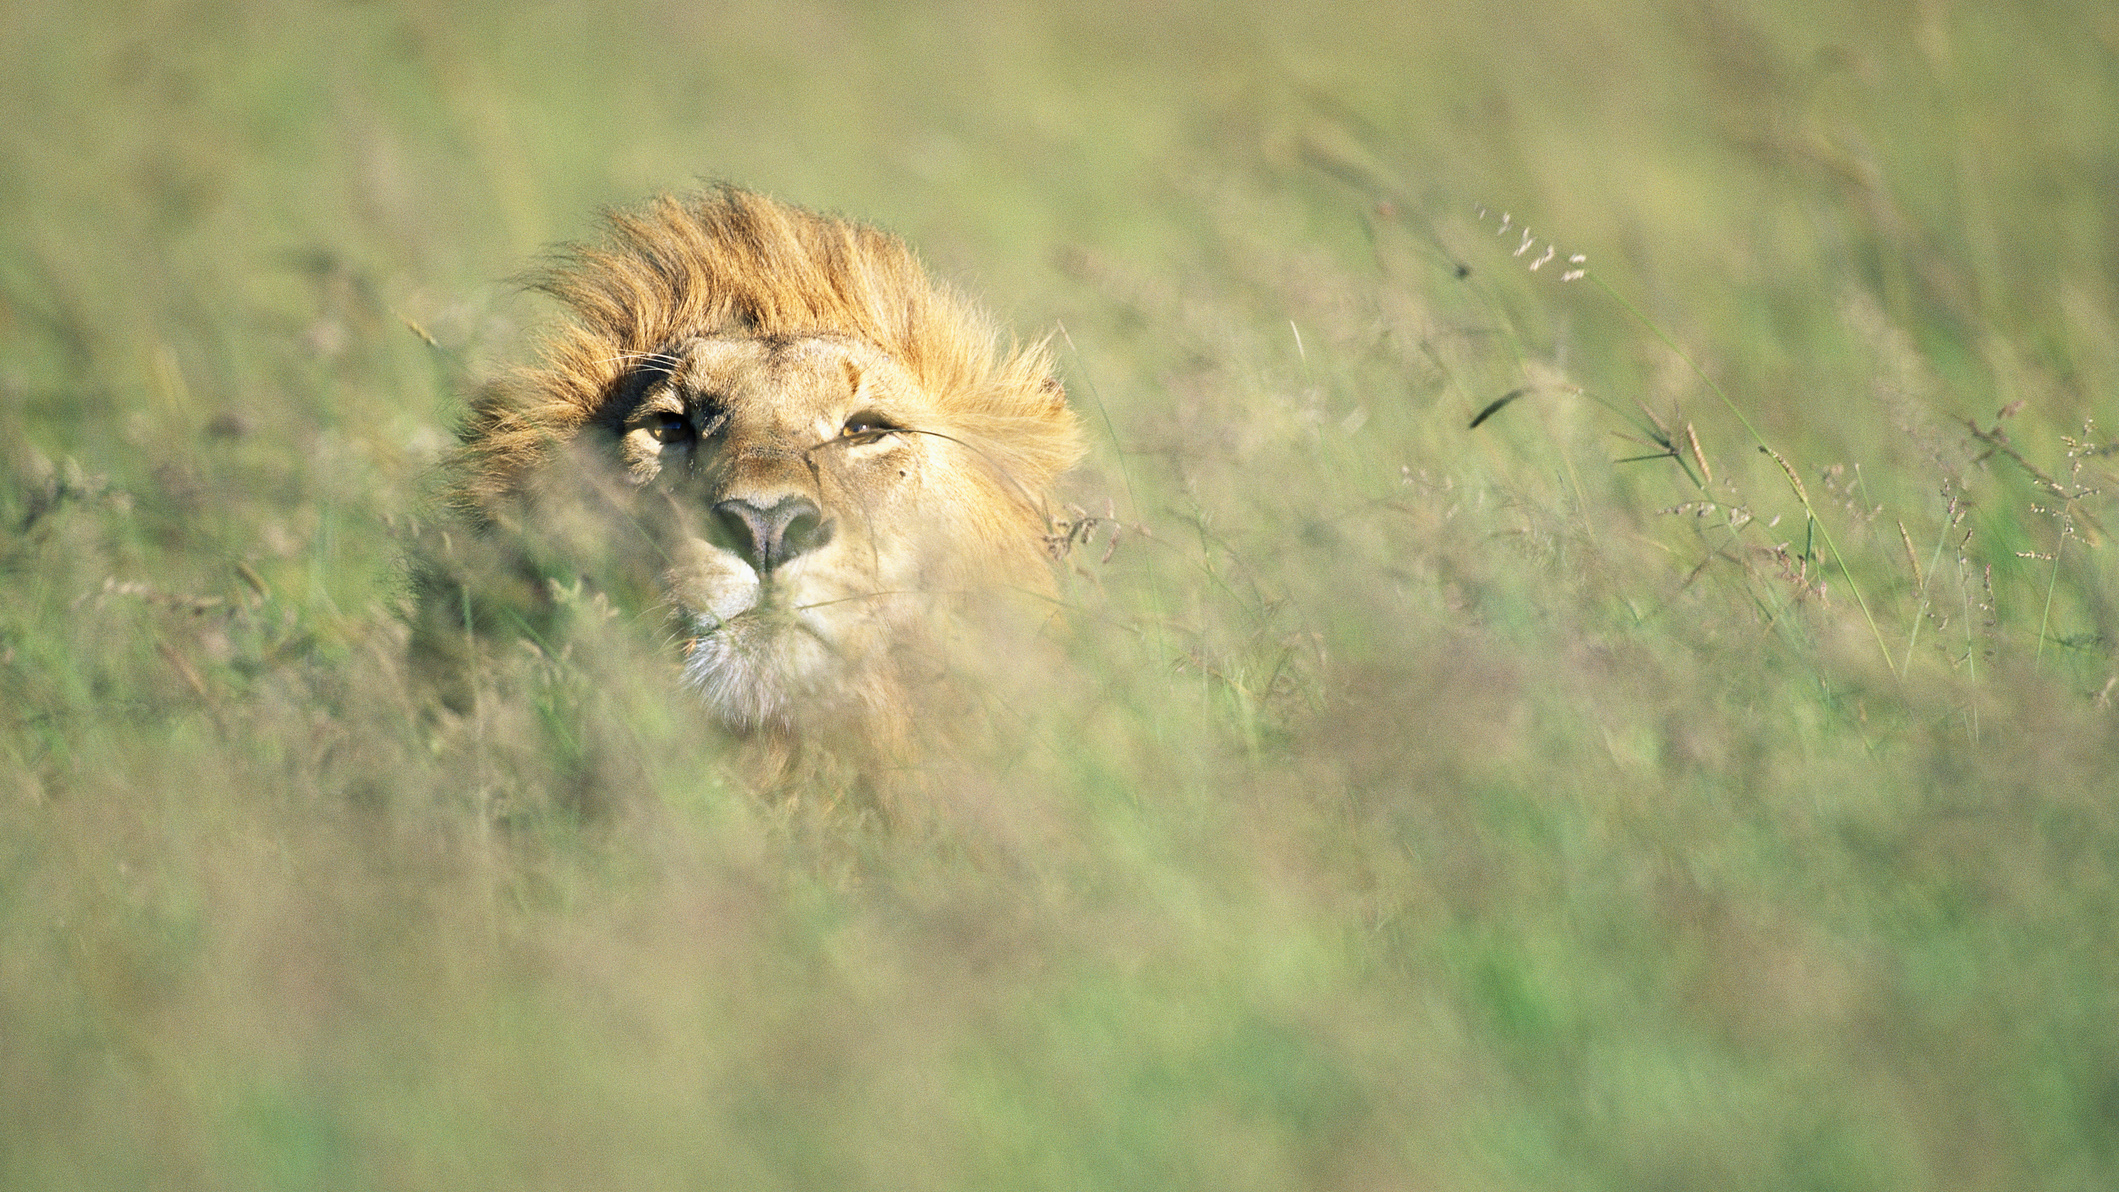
x,y
1426,805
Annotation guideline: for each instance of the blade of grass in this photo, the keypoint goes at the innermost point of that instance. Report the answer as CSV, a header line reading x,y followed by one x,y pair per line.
x,y
1793,481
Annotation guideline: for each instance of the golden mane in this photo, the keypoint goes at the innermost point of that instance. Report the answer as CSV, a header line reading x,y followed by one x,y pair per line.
x,y
730,262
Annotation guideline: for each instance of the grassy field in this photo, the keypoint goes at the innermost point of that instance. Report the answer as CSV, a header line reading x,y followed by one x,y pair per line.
x,y
1700,774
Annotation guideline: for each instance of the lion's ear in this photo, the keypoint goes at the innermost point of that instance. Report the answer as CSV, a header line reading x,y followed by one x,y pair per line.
x,y
1053,391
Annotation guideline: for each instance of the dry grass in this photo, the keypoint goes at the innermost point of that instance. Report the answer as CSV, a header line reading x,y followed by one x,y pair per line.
x,y
1533,805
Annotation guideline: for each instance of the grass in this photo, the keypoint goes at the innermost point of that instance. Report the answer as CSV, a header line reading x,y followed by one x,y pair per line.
x,y
1698,774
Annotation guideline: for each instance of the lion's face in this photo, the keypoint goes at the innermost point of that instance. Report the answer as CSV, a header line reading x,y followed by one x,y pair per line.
x,y
811,523
829,468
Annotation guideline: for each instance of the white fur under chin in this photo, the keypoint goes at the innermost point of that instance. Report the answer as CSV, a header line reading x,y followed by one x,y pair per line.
x,y
759,673
738,691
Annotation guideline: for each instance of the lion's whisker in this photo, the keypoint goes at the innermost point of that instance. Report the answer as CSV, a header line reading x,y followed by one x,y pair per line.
x,y
799,608
1030,500
665,359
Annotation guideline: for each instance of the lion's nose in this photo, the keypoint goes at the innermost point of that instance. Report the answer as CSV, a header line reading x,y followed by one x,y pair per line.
x,y
769,536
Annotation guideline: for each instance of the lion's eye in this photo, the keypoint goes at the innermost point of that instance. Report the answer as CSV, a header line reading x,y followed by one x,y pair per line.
x,y
669,427
867,428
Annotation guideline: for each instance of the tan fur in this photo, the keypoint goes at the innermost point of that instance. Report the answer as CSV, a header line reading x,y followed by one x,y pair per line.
x,y
728,359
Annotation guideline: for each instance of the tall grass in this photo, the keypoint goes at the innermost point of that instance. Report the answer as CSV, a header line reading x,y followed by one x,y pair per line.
x,y
1699,773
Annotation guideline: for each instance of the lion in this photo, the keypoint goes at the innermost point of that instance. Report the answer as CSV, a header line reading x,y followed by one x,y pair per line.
x,y
825,466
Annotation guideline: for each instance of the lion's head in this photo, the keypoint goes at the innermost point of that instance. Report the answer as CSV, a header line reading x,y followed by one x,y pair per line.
x,y
818,458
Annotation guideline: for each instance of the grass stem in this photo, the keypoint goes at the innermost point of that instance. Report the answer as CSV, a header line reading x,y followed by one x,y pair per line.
x,y
1793,481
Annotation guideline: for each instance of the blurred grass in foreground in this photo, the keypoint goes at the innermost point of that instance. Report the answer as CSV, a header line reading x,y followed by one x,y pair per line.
x,y
1430,807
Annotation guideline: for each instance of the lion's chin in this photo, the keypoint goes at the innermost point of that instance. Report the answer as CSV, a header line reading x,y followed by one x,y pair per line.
x,y
739,694
754,670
